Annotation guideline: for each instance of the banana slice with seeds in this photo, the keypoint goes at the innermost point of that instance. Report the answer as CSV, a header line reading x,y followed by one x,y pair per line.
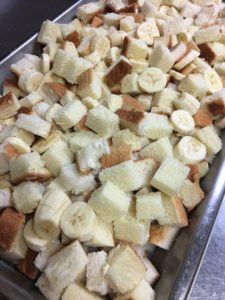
x,y
152,80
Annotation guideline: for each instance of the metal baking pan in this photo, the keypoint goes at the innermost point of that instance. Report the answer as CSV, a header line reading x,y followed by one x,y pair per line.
x,y
178,267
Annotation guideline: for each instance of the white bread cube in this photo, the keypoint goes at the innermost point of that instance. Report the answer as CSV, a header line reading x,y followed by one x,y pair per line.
x,y
102,121
43,256
220,68
57,156
70,114
87,11
51,49
191,194
187,102
9,105
149,207
162,58
51,293
109,202
89,84
194,84
158,150
129,176
145,100
112,19
14,131
126,136
116,37
163,236
4,163
30,100
113,102
115,73
130,85
69,47
34,124
170,176
175,214
203,168
76,291
27,195
28,166
165,98
66,266
139,65
85,45
5,198
95,273
90,102
155,126
82,139
53,112
143,291
125,271
49,32
210,138
131,230
148,31
11,85
210,34
68,66
103,235
134,48
127,24
43,145
88,157
101,45
187,59
27,63
115,5
151,274
74,25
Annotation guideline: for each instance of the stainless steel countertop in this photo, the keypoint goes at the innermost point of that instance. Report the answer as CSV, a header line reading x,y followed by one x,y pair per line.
x,y
210,281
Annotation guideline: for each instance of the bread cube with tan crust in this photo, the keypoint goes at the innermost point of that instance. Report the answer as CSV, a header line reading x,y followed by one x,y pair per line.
x,y
76,291
28,166
95,273
194,84
57,156
102,121
109,202
159,150
70,114
11,85
165,98
191,194
142,291
125,270
126,136
131,230
187,102
30,100
34,124
82,139
9,105
163,236
162,58
134,48
49,32
117,155
130,85
113,102
170,185
27,63
89,85
87,11
210,34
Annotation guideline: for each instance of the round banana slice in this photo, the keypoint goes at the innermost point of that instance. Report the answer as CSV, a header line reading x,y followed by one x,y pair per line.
x,y
213,80
145,32
182,121
30,81
101,45
78,220
190,150
32,240
152,80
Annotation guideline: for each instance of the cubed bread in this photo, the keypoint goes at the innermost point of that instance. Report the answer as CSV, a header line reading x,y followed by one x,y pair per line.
x,y
49,292
49,32
82,139
131,230
117,155
57,156
95,273
170,176
134,48
89,84
158,150
150,206
165,98
103,235
87,11
9,105
11,85
175,214
142,291
4,162
27,63
194,84
216,103
26,265
113,102
102,121
28,166
125,270
209,34
70,114
130,118
34,124
76,291
203,118
54,91
130,85
163,236
11,222
5,197
109,202
191,194
42,145
162,58
187,102
30,99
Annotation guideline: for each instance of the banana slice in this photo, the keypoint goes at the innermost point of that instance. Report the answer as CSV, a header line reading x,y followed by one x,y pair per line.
x,y
152,80
33,241
147,31
78,220
213,80
190,150
182,121
101,45
49,212
30,81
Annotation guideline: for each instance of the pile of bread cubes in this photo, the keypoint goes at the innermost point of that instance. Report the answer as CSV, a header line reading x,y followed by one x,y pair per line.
x,y
104,140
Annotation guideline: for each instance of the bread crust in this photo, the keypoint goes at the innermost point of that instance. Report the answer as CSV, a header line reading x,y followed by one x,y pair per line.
x,y
73,37
203,118
120,70
130,103
27,266
134,117
116,156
